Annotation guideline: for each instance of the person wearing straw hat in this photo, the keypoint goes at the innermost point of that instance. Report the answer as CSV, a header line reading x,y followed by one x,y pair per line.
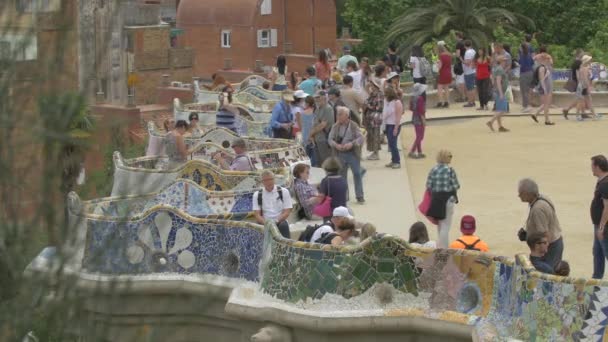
x,y
281,121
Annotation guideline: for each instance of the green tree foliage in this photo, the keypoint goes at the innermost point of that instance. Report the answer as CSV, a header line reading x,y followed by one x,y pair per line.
x,y
370,19
421,24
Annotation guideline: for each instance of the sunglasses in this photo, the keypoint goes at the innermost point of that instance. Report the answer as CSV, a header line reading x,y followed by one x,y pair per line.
x,y
194,119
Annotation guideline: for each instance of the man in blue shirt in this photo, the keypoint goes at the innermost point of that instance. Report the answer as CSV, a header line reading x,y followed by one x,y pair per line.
x,y
312,84
281,121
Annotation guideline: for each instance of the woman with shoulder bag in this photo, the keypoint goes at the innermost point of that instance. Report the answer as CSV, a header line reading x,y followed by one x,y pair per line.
x,y
332,188
442,183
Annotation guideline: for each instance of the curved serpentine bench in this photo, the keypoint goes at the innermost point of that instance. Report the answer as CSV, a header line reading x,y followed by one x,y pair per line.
x,y
140,176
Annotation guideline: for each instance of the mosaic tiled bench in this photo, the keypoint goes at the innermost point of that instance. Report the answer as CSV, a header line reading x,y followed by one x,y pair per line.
x,y
140,176
501,297
181,194
261,159
252,80
218,135
164,239
244,123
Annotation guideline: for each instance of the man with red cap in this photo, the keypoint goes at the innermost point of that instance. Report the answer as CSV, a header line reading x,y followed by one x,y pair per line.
x,y
469,240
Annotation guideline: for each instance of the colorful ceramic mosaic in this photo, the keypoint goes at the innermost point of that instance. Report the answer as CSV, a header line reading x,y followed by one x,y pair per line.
x,y
142,176
261,93
166,240
245,126
252,80
533,306
182,194
225,137
457,280
253,103
265,159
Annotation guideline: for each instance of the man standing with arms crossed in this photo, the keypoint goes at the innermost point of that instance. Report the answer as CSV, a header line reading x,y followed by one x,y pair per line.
x,y
599,215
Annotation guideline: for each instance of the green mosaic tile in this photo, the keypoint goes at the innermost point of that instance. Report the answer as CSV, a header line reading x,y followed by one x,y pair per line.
x,y
406,272
386,266
360,270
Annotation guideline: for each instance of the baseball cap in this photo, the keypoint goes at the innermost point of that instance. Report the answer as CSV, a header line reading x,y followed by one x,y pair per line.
x,y
239,143
342,212
467,225
346,48
334,91
320,93
300,94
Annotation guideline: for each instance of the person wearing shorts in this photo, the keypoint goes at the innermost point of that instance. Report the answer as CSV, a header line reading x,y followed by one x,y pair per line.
x,y
469,73
501,83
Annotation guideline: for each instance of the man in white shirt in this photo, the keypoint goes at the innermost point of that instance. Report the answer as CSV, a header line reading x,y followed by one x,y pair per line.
x,y
352,71
347,57
274,203
469,73
339,216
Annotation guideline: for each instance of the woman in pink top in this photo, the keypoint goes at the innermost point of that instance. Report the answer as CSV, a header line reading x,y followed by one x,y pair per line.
x,y
418,108
323,68
391,116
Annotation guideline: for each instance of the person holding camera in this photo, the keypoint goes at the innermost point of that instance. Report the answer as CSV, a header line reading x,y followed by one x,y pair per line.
x,y
345,139
541,219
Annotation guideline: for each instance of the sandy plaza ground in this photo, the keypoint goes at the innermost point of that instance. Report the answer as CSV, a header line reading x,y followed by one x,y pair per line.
x,y
489,166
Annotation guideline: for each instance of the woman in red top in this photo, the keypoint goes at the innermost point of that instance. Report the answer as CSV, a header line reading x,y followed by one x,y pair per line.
x,y
483,79
323,68
445,76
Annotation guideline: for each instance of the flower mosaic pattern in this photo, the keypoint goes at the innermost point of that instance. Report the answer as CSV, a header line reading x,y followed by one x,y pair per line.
x,y
168,242
150,238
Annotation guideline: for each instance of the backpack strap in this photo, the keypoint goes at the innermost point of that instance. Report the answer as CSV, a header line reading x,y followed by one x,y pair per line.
x,y
471,246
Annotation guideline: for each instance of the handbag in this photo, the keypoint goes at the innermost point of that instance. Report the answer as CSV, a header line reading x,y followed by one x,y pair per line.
x,y
522,234
323,209
571,85
424,206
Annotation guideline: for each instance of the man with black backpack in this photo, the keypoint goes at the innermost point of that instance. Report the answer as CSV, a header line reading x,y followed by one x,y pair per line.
x,y
468,240
272,203
340,217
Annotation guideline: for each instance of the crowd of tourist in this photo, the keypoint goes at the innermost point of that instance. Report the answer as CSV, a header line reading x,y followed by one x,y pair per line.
x,y
334,111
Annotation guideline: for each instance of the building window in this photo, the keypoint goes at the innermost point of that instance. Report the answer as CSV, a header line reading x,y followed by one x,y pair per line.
x,y
19,47
266,7
267,38
5,50
31,6
226,38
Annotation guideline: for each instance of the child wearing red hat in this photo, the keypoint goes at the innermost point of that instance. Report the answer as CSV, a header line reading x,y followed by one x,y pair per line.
x,y
469,240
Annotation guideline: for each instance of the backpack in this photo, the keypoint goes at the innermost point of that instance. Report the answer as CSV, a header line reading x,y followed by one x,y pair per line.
x,y
279,190
310,230
470,247
425,67
326,239
535,77
458,68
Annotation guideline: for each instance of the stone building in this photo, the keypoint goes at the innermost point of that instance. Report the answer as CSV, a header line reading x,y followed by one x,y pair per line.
x,y
38,52
240,37
125,49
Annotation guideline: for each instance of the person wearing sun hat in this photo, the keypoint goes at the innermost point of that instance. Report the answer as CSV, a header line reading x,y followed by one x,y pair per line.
x,y
469,240
584,85
281,120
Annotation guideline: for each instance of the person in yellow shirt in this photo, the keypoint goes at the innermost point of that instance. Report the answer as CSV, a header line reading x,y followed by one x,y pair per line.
x,y
469,240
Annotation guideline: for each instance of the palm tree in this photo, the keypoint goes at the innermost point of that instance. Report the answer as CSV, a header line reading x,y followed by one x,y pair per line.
x,y
477,22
